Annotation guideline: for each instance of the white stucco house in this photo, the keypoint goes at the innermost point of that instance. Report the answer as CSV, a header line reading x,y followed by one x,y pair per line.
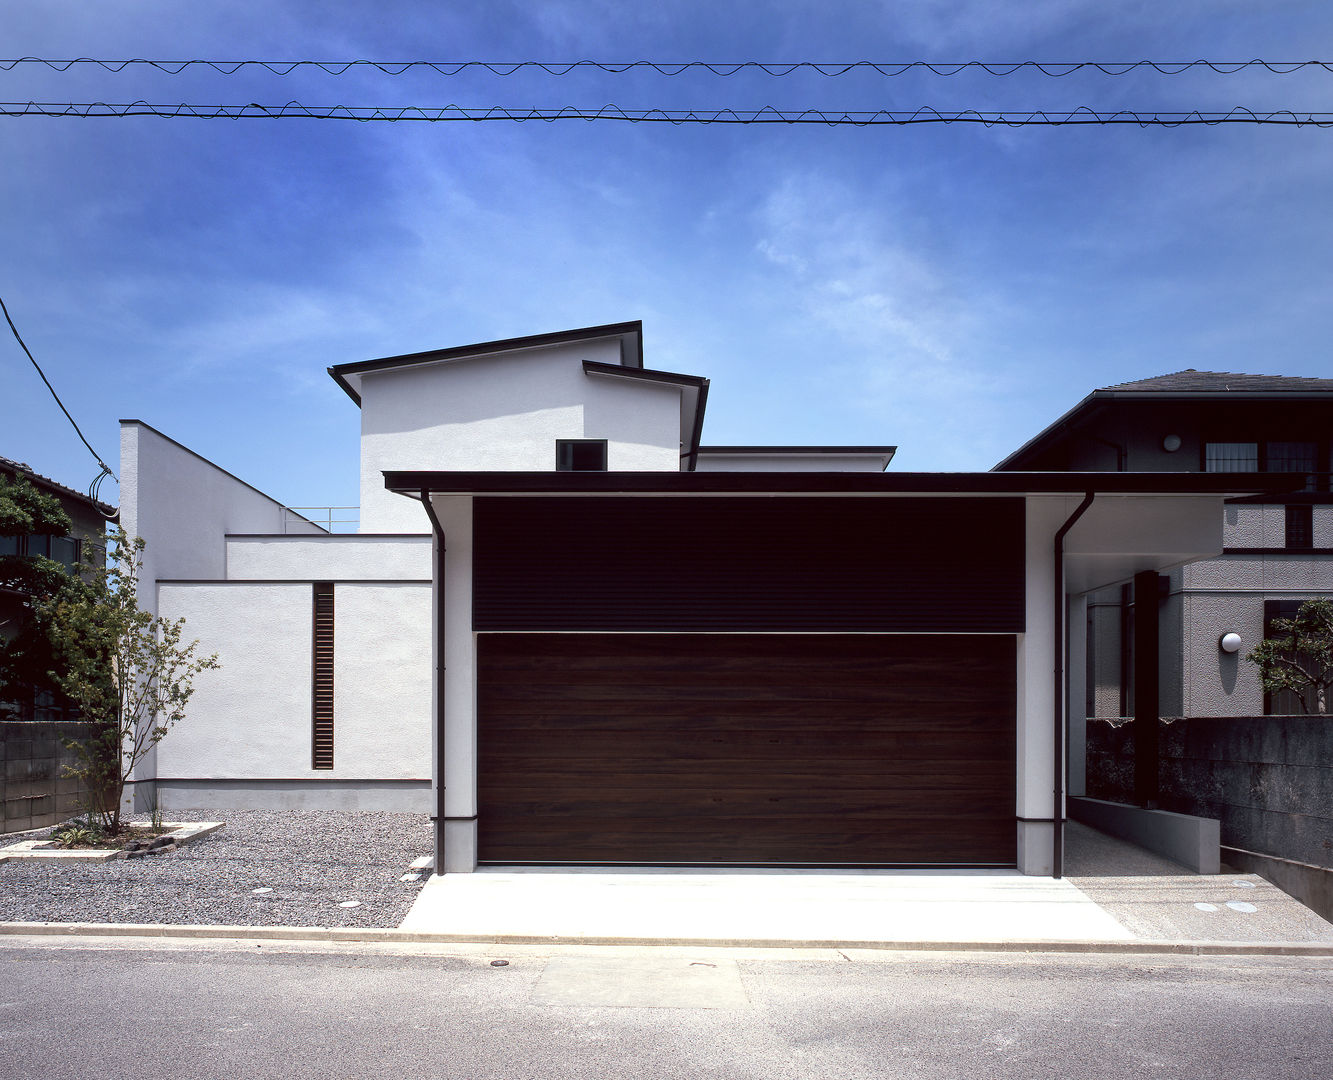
x,y
572,632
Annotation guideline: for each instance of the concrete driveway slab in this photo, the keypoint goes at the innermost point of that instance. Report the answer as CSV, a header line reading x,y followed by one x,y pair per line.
x,y
760,906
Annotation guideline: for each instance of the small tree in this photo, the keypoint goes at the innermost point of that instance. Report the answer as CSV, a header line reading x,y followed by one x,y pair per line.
x,y
129,673
1299,655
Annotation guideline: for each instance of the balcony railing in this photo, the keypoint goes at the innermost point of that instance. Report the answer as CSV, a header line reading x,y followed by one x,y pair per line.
x,y
334,519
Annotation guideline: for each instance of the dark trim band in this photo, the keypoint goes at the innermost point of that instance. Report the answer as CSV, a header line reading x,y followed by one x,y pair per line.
x,y
849,483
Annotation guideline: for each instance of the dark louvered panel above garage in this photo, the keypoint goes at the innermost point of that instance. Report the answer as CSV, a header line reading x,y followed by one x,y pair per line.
x,y
905,565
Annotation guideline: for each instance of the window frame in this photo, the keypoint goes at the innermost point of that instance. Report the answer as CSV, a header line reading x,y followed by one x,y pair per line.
x,y
567,451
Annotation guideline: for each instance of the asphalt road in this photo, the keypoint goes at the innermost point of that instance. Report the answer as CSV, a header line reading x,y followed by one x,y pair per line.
x,y
183,1010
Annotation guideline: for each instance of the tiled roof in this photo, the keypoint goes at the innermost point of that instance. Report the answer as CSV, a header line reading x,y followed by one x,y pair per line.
x,y
20,468
1212,382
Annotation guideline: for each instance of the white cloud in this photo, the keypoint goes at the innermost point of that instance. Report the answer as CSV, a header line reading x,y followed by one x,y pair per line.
x,y
906,335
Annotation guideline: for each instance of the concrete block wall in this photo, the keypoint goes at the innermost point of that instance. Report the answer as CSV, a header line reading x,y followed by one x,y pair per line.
x,y
1268,779
34,790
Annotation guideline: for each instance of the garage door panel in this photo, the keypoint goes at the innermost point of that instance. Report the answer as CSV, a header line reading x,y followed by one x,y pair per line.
x,y
812,749
657,747
575,718
740,840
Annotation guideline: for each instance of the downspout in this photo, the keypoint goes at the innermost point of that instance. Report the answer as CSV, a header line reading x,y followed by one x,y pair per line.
x,y
438,816
1058,704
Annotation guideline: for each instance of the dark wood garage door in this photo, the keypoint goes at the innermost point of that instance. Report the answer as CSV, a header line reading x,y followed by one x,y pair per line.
x,y
729,749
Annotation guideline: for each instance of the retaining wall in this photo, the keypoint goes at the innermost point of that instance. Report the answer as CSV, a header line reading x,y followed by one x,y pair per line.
x,y
34,790
1267,779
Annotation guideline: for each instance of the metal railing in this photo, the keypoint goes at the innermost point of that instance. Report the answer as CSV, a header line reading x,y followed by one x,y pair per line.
x,y
334,519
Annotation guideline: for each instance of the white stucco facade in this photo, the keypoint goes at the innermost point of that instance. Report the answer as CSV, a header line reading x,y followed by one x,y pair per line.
x,y
505,413
240,568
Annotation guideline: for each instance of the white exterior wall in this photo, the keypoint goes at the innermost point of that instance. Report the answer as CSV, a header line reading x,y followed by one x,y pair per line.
x,y
382,676
183,505
346,557
251,718
505,413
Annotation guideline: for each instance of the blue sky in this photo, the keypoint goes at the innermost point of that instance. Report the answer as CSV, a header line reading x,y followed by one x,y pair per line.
x,y
948,289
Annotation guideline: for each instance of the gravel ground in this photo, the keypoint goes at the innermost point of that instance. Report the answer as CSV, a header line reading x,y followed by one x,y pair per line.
x,y
313,861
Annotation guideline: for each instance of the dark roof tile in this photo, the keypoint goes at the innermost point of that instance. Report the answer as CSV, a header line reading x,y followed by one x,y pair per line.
x,y
1212,382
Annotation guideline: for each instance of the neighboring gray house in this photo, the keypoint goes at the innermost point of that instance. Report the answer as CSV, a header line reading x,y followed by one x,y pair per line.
x,y
1278,550
575,634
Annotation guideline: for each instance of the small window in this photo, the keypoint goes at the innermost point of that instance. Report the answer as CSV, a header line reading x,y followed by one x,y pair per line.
x,y
66,551
1231,457
11,545
1281,702
1300,528
1297,457
580,455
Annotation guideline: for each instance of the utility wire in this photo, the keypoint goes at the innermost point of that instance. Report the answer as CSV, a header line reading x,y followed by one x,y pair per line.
x,y
767,115
1054,70
106,469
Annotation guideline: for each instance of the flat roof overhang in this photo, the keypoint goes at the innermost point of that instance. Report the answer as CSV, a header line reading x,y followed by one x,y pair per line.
x,y
1136,522
1222,485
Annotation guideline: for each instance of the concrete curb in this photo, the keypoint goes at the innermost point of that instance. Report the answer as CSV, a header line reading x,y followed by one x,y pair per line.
x,y
391,935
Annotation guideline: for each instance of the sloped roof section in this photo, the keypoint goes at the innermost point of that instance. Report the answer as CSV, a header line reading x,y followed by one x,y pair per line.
x,y
1191,381
630,335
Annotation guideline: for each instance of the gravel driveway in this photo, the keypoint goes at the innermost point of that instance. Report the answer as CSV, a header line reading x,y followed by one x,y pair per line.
x,y
313,861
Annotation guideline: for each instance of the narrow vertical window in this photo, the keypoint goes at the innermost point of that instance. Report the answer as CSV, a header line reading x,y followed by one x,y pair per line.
x,y
321,685
1300,527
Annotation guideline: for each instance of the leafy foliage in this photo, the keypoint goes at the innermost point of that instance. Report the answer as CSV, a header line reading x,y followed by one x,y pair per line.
x,y
130,674
1299,655
78,833
25,651
24,510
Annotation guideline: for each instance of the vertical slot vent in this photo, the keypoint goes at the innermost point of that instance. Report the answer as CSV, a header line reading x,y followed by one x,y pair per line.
x,y
321,666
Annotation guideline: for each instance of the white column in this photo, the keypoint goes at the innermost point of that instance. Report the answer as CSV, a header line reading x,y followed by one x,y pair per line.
x,y
1036,676
459,697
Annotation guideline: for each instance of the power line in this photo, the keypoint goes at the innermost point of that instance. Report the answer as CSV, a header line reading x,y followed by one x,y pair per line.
x,y
106,469
294,110
502,68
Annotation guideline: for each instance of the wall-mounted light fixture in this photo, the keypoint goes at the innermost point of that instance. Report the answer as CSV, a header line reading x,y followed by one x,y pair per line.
x,y
1171,444
1229,643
